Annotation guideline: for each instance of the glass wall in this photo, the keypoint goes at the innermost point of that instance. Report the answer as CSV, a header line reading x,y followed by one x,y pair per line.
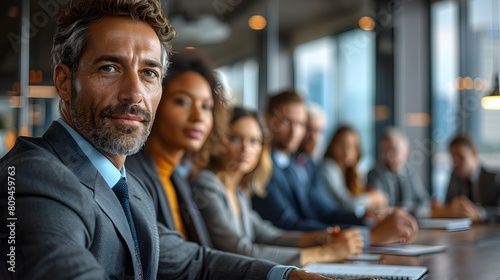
x,y
241,83
356,88
465,58
338,73
315,78
484,28
445,101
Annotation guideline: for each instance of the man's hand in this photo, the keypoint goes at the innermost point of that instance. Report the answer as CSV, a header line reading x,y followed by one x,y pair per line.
x,y
459,207
337,248
398,227
303,275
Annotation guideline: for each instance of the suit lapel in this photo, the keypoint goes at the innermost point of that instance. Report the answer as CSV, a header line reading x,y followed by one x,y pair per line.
x,y
184,208
165,207
487,188
291,179
245,215
390,181
145,222
406,192
75,159
149,167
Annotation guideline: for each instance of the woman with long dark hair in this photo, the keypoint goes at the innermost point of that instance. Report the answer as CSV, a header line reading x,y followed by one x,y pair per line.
x,y
340,173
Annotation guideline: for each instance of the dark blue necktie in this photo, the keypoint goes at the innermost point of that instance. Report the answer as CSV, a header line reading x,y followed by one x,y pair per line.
x,y
468,189
121,192
300,170
398,197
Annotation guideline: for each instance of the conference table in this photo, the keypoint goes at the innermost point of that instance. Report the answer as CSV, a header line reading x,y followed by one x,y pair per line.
x,y
472,254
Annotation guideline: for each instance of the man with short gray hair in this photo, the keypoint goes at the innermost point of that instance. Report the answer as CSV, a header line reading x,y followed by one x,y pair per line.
x,y
395,177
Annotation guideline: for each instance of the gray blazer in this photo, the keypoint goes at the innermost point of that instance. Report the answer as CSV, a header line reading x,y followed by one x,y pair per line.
x,y
249,235
414,197
70,225
142,164
335,183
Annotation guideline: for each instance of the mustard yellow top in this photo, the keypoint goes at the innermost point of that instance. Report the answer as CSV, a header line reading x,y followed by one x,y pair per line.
x,y
165,167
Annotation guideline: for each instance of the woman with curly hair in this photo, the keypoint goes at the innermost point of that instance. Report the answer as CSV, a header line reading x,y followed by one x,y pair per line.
x,y
190,118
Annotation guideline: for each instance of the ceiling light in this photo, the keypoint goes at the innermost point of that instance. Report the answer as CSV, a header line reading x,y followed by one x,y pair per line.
x,y
257,22
366,23
492,100
13,12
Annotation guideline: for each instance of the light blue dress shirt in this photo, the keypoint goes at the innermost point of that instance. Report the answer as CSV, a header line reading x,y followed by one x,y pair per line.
x,y
108,171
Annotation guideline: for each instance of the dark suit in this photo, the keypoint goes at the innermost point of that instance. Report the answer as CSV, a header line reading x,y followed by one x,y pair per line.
x,y
143,166
70,225
487,184
295,203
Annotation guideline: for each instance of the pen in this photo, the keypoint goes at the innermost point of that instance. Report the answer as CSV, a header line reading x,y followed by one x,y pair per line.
x,y
332,231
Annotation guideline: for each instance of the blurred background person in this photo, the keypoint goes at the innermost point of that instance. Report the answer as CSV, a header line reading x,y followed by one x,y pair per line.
x,y
340,172
293,182
392,175
315,129
296,201
472,187
222,193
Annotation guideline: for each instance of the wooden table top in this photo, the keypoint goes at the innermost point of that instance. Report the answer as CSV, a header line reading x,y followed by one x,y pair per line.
x,y
471,255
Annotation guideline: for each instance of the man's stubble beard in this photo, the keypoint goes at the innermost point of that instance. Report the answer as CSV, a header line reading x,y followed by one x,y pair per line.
x,y
117,140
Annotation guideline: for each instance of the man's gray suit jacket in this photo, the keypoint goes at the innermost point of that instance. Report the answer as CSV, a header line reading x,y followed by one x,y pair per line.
x,y
70,225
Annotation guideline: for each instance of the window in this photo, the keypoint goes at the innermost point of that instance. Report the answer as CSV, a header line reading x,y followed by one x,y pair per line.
x,y
240,81
315,78
456,99
338,73
356,89
445,109
484,63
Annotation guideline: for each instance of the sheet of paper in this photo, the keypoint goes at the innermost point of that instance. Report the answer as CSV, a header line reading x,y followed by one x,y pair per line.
x,y
406,249
448,224
368,270
365,257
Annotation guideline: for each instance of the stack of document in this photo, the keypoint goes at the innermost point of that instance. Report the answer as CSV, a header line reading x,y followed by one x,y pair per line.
x,y
406,249
367,271
448,224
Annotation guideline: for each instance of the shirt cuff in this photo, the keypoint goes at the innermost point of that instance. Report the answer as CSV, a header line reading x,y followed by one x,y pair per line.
x,y
423,212
483,214
280,272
